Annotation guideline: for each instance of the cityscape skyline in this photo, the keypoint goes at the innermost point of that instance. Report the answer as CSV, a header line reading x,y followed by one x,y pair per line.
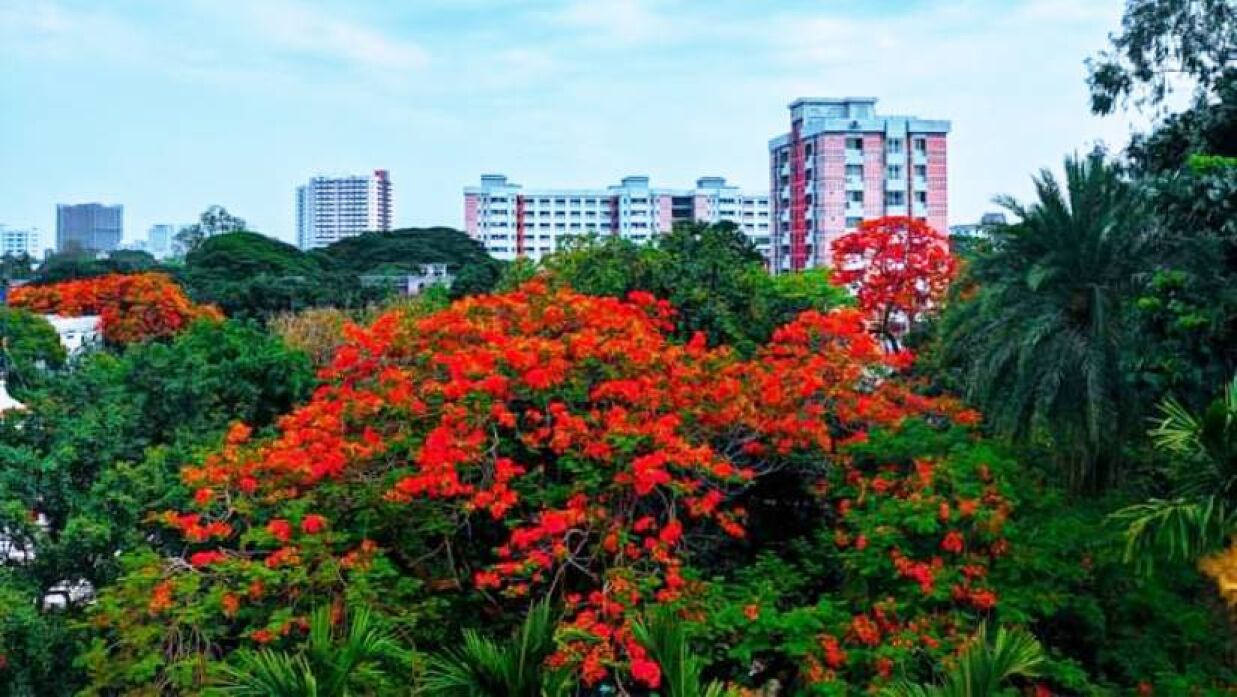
x,y
240,118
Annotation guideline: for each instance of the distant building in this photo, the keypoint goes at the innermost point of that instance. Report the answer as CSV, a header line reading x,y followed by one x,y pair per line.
x,y
328,209
88,227
76,333
7,403
159,240
978,230
412,283
842,163
16,242
510,221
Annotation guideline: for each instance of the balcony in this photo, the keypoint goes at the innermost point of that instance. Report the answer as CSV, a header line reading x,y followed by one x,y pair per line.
x,y
896,210
895,158
919,209
919,157
854,182
854,157
921,184
898,184
854,209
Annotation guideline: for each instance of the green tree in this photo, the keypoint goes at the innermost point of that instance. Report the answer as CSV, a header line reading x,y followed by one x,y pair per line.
x,y
16,266
403,251
215,220
131,261
712,275
1040,343
1162,42
29,345
254,276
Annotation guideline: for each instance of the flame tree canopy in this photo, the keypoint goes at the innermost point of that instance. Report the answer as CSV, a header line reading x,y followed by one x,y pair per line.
x,y
901,269
132,307
538,442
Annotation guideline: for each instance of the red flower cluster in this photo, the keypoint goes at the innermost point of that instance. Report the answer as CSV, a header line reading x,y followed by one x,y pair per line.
x,y
901,268
131,307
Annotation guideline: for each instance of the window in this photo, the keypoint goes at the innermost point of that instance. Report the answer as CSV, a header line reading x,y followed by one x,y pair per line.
x,y
853,223
920,145
854,170
854,196
921,197
921,171
895,198
893,172
854,143
894,145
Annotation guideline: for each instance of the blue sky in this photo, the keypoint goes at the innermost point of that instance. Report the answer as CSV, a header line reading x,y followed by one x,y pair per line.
x,y
170,106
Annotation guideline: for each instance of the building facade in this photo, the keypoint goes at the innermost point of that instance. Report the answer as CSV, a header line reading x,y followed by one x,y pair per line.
x,y
159,240
328,209
510,221
88,227
840,164
15,242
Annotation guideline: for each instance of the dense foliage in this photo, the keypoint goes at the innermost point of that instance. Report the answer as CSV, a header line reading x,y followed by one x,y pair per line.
x,y
29,346
96,452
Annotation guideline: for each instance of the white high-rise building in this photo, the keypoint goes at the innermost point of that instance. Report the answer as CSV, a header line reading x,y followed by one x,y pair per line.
x,y
14,242
328,209
511,221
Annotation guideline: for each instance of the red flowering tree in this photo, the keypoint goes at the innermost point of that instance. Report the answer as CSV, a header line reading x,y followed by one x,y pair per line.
x,y
132,307
899,268
539,442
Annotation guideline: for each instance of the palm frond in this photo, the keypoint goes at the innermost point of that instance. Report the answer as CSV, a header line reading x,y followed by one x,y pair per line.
x,y
983,667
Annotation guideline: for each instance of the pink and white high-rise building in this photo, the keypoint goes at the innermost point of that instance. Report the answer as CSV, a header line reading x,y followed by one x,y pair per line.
x,y
842,163
511,221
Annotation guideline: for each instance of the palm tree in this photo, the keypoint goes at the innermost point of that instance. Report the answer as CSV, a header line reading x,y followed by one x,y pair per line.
x,y
331,664
983,668
481,667
663,636
1039,343
1201,515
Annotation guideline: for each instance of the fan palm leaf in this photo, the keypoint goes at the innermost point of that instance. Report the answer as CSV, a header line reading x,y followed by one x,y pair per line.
x,y
982,668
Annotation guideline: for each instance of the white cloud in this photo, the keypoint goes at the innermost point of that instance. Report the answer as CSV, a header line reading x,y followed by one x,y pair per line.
x,y
614,22
300,28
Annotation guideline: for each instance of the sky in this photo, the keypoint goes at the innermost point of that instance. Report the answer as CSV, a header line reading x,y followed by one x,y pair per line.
x,y
169,106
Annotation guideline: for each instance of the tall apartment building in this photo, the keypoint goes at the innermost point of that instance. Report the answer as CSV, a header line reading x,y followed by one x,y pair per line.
x,y
842,163
89,227
511,221
159,239
15,242
328,209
